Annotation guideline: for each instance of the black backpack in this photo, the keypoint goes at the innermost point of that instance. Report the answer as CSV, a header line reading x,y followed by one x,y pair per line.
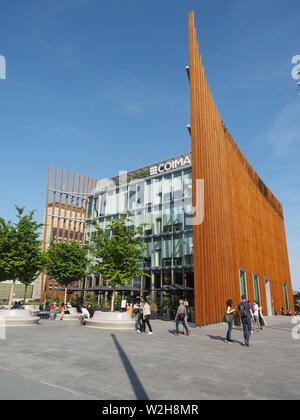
x,y
243,311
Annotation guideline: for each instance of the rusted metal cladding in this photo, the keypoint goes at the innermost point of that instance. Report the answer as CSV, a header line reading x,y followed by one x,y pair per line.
x,y
243,226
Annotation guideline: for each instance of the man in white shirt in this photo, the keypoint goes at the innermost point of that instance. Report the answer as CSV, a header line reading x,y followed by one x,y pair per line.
x,y
84,315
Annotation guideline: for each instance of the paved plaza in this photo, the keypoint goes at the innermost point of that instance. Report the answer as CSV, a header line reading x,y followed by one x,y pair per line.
x,y
63,360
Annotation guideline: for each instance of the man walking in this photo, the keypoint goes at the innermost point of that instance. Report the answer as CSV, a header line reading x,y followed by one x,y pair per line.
x,y
247,319
181,316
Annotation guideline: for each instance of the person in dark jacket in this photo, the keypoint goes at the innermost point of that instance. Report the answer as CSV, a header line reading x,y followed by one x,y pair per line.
x,y
247,319
91,310
140,325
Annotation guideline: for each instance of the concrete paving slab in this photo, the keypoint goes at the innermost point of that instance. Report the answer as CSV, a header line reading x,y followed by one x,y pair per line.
x,y
67,361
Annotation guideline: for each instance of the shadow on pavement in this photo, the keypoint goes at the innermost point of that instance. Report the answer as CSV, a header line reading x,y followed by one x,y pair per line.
x,y
218,338
134,379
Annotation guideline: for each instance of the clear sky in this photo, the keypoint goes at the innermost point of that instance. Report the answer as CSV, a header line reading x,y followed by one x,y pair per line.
x,y
100,86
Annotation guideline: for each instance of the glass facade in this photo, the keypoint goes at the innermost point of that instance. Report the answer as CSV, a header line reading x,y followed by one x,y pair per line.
x,y
163,203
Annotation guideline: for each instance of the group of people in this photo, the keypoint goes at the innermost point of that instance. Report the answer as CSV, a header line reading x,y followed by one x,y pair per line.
x,y
288,312
64,309
17,305
144,313
250,315
60,310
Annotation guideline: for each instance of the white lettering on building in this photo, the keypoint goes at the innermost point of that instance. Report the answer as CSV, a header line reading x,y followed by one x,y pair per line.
x,y
171,164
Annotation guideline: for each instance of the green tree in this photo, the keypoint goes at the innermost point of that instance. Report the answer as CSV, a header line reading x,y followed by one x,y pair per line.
x,y
66,263
119,252
28,277
20,250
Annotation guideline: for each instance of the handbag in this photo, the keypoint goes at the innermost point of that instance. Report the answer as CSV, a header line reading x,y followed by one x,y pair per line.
x,y
261,320
227,318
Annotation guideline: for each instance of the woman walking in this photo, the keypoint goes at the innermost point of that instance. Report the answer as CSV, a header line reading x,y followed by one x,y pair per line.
x,y
256,316
229,312
146,317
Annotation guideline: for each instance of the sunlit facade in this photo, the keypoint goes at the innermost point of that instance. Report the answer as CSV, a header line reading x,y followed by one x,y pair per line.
x,y
160,198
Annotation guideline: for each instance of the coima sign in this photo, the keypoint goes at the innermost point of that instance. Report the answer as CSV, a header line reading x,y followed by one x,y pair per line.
x,y
170,165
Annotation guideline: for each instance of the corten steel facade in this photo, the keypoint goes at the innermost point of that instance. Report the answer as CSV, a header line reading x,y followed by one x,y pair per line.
x,y
238,248
243,226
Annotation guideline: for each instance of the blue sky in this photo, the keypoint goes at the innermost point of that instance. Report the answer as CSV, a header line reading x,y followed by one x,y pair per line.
x,y
96,86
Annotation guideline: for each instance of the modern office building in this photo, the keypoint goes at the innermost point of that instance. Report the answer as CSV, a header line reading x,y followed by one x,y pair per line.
x,y
159,196
212,224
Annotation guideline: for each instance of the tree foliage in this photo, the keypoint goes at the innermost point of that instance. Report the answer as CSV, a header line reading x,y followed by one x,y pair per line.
x,y
66,262
21,257
119,251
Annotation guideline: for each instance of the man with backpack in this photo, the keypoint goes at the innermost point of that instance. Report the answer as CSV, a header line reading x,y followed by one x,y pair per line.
x,y
181,316
247,318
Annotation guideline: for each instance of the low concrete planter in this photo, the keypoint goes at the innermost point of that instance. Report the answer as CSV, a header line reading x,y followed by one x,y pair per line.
x,y
111,320
74,315
35,309
18,317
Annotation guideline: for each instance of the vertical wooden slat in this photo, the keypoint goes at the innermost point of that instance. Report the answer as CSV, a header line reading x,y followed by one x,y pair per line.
x,y
76,208
45,231
243,222
71,208
52,226
66,207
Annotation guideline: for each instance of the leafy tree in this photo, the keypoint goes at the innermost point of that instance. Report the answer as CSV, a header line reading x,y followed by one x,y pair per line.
x,y
20,250
66,263
31,274
119,251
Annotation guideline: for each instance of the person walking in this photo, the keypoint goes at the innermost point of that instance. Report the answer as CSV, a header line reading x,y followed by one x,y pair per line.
x,y
188,309
181,316
146,317
256,316
229,312
262,321
247,316
140,324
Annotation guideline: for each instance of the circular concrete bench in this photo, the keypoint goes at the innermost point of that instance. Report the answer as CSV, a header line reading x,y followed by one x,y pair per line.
x,y
111,320
18,317
73,316
35,309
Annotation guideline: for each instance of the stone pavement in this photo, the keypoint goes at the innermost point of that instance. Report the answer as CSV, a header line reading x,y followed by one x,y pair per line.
x,y
62,360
